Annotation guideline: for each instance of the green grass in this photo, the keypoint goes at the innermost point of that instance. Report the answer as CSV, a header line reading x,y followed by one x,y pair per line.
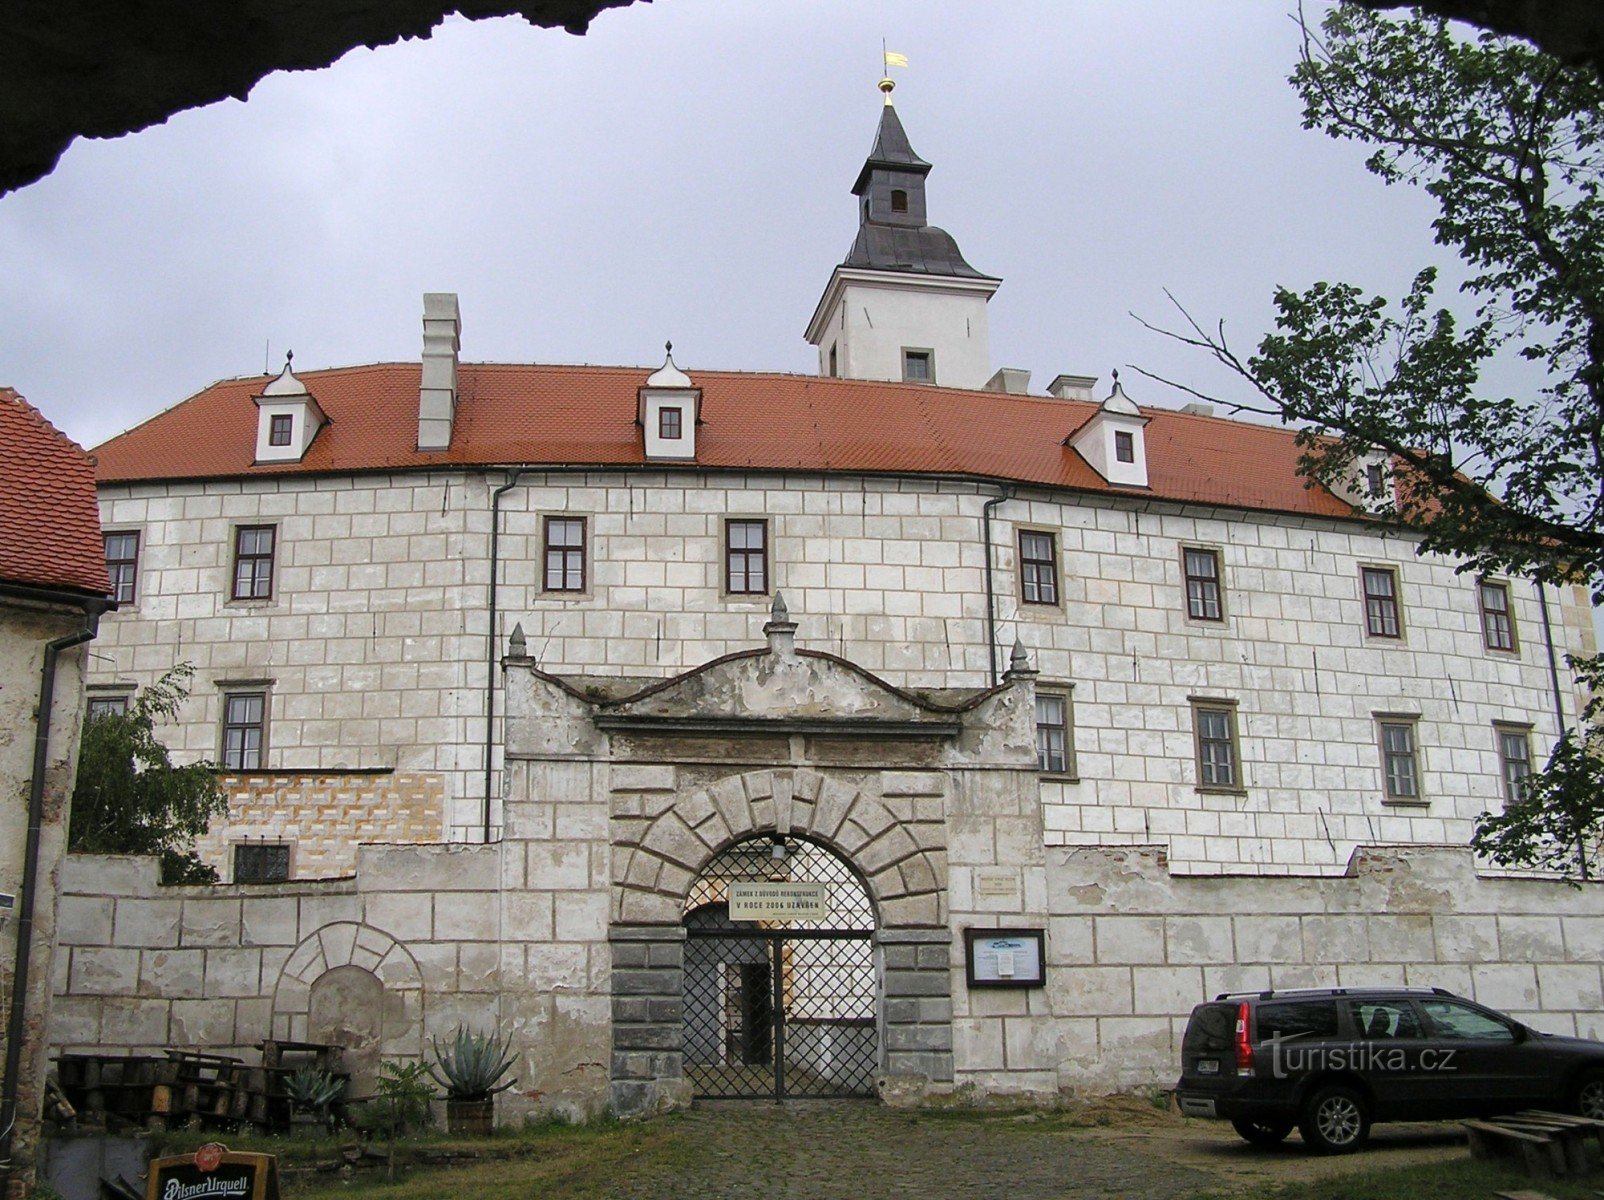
x,y
1452,1179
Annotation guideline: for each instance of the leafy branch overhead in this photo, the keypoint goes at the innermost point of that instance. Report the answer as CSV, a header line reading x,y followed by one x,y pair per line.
x,y
1508,143
131,799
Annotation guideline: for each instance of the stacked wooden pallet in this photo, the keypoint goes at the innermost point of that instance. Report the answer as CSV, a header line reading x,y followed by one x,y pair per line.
x,y
191,1087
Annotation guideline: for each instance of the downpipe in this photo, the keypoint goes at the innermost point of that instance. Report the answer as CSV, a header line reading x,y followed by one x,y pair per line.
x,y
490,640
1007,493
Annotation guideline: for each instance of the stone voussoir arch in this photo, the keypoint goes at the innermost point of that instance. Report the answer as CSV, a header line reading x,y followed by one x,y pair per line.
x,y
902,862
331,947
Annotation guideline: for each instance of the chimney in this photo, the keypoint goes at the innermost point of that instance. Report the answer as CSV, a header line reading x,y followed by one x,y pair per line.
x,y
1013,380
1073,387
1198,409
437,390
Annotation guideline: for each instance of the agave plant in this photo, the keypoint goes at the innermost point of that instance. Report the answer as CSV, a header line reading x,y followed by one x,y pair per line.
x,y
312,1090
471,1064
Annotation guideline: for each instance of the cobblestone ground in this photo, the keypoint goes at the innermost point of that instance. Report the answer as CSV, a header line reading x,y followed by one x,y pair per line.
x,y
836,1150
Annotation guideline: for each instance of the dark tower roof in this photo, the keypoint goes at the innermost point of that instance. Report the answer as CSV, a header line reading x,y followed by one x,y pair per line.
x,y
893,234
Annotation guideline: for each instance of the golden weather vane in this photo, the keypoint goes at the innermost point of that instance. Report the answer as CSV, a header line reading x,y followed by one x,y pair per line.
x,y
889,59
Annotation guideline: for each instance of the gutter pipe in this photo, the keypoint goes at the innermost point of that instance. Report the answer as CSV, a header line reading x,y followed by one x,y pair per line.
x,y
1007,493
490,640
1553,661
16,1018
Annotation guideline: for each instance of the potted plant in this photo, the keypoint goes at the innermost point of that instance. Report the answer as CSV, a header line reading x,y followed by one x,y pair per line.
x,y
310,1091
470,1067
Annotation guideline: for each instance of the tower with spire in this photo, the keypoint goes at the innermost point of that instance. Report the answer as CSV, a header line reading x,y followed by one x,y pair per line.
x,y
904,305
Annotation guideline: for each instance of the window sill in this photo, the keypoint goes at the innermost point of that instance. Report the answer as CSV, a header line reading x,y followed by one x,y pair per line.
x,y
1057,777
1207,790
1405,802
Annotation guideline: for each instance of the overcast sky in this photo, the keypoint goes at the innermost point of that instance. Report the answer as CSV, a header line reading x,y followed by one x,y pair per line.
x,y
683,171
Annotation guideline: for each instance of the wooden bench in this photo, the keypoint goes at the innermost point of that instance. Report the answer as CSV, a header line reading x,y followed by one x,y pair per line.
x,y
1545,1158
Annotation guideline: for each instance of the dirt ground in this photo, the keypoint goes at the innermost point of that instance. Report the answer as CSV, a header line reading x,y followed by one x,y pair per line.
x,y
1122,1147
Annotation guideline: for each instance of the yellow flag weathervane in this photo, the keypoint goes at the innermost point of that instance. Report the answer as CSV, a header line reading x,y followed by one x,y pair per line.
x,y
891,59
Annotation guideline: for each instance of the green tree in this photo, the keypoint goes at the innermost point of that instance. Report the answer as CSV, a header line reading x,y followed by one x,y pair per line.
x,y
1510,144
131,799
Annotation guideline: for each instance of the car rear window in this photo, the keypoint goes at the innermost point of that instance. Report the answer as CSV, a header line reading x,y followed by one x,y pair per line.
x,y
1211,1030
1299,1019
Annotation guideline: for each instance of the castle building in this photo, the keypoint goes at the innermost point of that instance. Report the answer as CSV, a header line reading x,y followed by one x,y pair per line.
x,y
929,731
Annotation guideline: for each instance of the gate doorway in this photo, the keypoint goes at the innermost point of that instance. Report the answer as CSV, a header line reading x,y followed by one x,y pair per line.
x,y
780,1009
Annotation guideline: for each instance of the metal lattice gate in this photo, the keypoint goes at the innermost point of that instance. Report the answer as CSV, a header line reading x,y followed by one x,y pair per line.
x,y
780,1009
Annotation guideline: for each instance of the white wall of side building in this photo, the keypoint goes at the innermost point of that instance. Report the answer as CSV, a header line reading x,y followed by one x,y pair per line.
x,y
375,639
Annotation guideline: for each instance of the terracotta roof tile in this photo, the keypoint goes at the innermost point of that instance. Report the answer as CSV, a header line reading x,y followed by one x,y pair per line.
x,y
49,517
564,415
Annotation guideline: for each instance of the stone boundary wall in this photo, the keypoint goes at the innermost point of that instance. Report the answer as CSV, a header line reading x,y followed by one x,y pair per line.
x,y
324,815
1132,948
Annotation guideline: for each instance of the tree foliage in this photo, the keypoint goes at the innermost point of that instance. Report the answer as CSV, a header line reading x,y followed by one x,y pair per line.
x,y
1509,142
131,799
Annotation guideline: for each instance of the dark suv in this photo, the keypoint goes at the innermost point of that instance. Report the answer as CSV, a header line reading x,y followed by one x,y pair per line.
x,y
1332,1060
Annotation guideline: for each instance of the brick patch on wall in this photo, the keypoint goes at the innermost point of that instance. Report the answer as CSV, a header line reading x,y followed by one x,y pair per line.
x,y
324,816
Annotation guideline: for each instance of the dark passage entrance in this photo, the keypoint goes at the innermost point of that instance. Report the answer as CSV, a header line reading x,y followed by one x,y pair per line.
x,y
780,1008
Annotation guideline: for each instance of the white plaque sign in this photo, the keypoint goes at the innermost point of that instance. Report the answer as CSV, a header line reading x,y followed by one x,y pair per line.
x,y
755,901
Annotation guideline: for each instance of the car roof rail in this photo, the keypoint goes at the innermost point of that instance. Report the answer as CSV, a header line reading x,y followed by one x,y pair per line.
x,y
1280,993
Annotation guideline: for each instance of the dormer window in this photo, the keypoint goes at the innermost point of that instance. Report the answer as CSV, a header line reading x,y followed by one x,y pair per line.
x,y
287,419
899,200
1112,440
669,413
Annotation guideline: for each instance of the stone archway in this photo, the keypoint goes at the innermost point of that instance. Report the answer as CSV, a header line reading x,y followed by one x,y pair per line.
x,y
896,846
355,986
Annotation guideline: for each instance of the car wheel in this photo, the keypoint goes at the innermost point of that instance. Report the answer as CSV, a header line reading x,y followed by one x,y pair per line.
x,y
1590,1096
1261,1132
1335,1120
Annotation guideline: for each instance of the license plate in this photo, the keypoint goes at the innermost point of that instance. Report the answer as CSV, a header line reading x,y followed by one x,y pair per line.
x,y
1208,1066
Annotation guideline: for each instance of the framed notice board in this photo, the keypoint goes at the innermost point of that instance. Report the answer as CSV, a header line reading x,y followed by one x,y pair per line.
x,y
213,1173
1005,958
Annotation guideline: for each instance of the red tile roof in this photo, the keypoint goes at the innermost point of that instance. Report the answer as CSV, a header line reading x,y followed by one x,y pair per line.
x,y
49,517
558,416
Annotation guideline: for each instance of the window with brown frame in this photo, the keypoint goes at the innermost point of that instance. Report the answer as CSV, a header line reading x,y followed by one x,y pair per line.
x,y
1054,749
278,429
106,706
1514,759
122,564
1204,601
565,554
669,424
1381,602
746,557
1219,756
1125,446
1400,766
244,730
899,200
253,562
1497,618
1038,567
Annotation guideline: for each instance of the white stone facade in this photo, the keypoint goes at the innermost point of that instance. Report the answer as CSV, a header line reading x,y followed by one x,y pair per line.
x,y
373,647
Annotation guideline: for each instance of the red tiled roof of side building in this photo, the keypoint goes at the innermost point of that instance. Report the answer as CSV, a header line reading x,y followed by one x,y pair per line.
x,y
586,416
49,516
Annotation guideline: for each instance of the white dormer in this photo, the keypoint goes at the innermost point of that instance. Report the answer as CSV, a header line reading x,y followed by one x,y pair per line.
x,y
287,419
1367,482
1114,441
670,406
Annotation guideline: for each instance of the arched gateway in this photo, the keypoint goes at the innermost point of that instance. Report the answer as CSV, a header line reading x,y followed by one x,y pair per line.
x,y
781,987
